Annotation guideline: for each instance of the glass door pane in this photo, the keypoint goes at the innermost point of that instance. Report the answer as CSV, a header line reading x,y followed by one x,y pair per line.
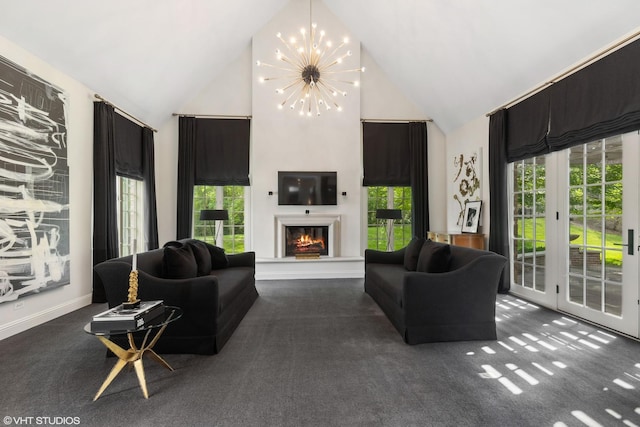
x,y
601,273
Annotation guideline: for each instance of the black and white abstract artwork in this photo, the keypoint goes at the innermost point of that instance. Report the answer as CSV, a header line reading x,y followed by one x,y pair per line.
x,y
34,184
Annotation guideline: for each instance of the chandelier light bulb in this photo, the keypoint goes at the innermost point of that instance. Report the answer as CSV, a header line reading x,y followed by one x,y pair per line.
x,y
345,40
349,53
362,69
303,31
278,35
261,79
258,63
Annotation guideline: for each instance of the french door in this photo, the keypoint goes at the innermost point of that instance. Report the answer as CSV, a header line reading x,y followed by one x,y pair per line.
x,y
578,234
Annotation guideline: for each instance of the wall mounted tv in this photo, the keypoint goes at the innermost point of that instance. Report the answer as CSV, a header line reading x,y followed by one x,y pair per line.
x,y
307,188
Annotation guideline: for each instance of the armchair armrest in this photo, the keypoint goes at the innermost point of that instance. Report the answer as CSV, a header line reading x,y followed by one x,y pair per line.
x,y
197,296
244,259
464,295
372,256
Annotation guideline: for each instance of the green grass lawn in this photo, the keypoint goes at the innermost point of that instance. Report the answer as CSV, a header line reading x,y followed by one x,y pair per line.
x,y
377,237
594,238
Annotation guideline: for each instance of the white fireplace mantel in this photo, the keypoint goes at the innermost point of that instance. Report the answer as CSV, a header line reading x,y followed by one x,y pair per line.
x,y
324,220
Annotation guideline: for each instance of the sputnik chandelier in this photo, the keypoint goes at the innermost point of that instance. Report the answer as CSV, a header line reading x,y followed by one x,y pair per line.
x,y
310,68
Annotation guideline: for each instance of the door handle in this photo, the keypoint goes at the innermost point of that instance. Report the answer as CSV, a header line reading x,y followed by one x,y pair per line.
x,y
629,243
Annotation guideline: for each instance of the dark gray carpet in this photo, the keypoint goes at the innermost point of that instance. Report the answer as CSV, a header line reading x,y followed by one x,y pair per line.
x,y
321,353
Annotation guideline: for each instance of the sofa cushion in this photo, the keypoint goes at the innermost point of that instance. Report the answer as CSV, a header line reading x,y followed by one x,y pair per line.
x,y
434,258
201,255
179,262
218,257
412,252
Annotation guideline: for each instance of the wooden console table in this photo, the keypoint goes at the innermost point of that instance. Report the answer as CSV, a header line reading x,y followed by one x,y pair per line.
x,y
470,240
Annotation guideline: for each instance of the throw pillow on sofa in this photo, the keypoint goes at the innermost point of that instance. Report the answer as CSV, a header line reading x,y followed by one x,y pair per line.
x,y
412,252
218,257
179,262
434,258
202,256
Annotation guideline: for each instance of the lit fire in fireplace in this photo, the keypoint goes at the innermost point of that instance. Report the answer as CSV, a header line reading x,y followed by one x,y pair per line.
x,y
306,242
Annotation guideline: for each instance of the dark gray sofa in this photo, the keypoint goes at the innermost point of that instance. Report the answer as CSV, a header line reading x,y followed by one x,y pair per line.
x,y
457,304
213,303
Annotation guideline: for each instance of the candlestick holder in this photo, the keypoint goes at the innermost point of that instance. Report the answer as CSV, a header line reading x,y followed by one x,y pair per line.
x,y
132,297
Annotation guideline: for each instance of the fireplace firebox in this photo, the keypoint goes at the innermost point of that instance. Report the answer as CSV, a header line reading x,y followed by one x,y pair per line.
x,y
306,240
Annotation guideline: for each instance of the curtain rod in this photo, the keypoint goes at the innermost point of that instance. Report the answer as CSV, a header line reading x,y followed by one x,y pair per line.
x,y
396,120
213,116
570,71
124,112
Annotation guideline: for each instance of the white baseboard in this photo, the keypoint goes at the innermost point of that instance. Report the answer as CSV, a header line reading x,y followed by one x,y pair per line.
x,y
35,319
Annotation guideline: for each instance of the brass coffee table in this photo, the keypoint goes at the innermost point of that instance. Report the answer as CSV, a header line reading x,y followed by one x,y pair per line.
x,y
133,355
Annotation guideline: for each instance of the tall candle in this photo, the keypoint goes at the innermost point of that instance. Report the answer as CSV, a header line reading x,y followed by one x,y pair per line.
x,y
135,256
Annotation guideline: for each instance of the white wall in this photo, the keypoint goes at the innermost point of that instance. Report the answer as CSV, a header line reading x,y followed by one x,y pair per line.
x,y
474,136
282,140
39,308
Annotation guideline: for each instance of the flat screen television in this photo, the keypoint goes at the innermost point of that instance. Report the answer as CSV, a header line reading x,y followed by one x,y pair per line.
x,y
307,188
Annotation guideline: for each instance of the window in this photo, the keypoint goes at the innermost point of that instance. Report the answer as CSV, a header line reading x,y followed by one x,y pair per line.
x,y
528,239
229,197
388,198
130,196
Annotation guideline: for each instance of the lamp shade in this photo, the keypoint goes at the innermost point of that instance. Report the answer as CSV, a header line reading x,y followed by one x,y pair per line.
x,y
213,214
388,214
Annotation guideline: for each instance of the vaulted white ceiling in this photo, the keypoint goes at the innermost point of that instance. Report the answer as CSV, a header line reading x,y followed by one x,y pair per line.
x,y
456,59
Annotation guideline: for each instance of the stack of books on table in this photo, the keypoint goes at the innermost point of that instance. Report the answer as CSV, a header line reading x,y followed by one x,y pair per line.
x,y
119,318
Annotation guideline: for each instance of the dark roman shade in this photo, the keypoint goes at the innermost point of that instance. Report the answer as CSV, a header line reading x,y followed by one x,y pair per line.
x,y
128,148
386,154
222,152
598,101
527,127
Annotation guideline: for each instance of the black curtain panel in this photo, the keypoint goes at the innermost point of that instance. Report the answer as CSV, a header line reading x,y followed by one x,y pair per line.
x,y
419,178
498,204
527,127
222,151
186,166
105,231
386,154
598,101
149,173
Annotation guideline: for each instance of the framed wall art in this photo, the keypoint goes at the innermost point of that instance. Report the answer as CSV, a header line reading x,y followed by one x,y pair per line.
x,y
471,216
34,184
